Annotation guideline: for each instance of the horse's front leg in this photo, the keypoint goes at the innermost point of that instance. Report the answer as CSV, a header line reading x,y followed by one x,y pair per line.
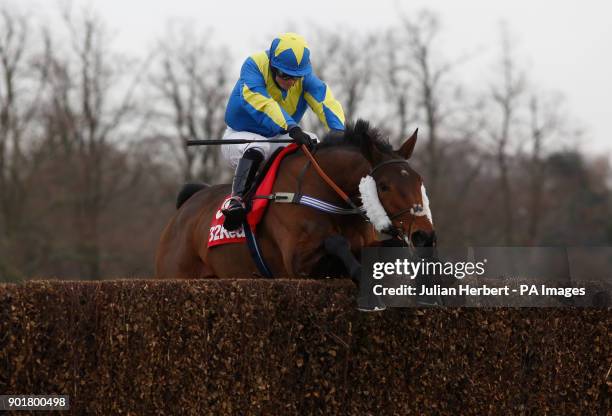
x,y
338,246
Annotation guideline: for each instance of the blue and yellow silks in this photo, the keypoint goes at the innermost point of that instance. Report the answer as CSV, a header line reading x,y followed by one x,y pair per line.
x,y
258,105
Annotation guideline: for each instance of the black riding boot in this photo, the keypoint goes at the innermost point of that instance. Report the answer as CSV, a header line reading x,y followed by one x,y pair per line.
x,y
234,209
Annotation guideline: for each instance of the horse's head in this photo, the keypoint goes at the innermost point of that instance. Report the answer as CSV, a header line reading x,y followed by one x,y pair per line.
x,y
393,193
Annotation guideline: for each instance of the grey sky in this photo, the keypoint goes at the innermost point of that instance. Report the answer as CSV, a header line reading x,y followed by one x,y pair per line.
x,y
565,44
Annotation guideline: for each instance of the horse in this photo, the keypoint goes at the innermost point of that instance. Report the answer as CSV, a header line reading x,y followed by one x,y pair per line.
x,y
299,241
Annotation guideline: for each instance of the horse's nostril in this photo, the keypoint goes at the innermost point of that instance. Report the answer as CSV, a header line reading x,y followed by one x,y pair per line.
x,y
418,238
423,239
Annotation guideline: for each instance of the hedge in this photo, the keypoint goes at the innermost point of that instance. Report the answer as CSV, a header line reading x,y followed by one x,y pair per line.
x,y
293,347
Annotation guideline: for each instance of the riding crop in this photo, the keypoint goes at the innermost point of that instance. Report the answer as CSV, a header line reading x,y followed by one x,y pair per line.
x,y
235,141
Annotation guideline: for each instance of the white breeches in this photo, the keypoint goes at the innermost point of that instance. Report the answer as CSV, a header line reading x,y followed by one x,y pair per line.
x,y
233,152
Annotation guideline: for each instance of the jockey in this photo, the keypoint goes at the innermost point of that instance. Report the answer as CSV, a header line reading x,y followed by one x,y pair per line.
x,y
268,102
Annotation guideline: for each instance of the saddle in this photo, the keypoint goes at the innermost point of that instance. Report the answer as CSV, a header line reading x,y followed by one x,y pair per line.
x,y
257,206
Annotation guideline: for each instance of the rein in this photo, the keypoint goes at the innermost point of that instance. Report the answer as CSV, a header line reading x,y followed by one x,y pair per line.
x,y
330,181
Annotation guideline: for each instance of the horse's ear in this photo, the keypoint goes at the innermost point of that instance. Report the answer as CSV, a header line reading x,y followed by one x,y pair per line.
x,y
368,147
408,147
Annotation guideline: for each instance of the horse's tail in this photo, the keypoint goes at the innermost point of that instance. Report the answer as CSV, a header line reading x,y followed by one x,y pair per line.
x,y
187,191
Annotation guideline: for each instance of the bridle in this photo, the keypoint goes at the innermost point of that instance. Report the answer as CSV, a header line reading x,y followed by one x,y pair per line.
x,y
393,230
414,211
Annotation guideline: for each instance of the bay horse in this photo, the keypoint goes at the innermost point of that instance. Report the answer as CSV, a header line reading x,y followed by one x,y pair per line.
x,y
301,241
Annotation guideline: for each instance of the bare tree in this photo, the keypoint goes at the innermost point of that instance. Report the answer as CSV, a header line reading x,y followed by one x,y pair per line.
x,y
345,62
16,111
13,32
194,85
506,98
429,73
397,82
89,100
545,126
353,72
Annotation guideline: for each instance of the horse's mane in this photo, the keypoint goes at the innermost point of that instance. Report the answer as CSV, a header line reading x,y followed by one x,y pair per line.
x,y
357,135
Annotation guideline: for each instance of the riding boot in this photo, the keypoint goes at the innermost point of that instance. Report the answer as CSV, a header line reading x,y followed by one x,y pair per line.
x,y
234,209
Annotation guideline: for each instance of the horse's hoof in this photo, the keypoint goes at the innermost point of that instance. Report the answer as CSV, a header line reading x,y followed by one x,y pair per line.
x,y
371,309
429,301
368,304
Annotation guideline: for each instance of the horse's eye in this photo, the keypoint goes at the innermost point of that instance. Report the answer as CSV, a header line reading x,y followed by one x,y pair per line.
x,y
383,187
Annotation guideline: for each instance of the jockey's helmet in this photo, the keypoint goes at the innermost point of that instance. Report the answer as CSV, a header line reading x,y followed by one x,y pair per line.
x,y
290,54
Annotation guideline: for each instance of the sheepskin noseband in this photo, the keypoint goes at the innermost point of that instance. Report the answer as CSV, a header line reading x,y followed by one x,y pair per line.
x,y
371,204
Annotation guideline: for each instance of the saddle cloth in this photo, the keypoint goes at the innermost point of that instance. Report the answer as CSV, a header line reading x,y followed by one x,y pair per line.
x,y
219,235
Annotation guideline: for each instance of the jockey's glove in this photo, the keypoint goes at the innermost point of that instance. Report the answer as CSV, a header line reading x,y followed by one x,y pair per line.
x,y
298,136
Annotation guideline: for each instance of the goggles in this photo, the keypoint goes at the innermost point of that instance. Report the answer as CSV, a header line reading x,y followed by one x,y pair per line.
x,y
286,77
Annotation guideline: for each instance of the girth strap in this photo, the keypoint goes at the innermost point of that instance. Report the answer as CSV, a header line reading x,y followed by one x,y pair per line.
x,y
294,198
